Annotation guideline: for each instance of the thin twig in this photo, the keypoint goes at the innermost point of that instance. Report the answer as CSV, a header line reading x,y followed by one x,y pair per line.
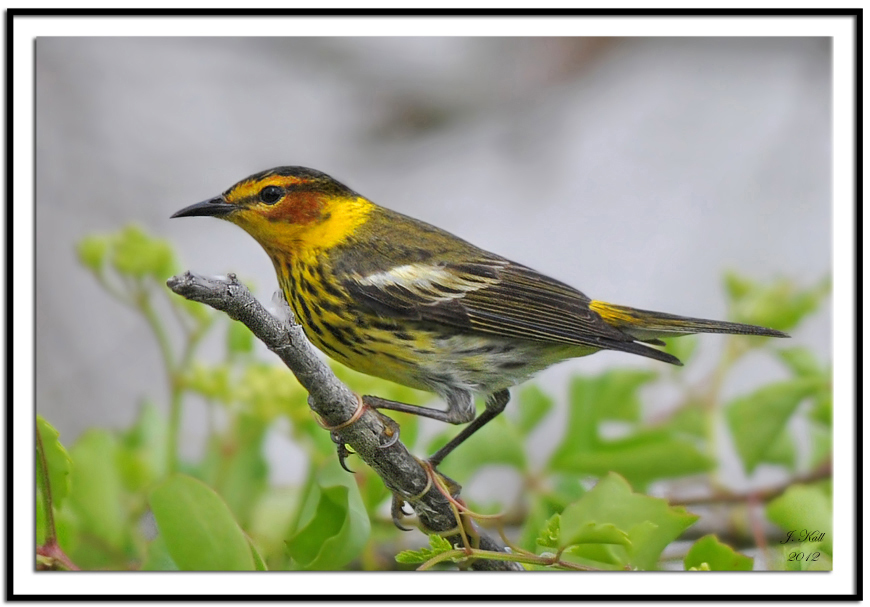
x,y
401,472
822,472
757,526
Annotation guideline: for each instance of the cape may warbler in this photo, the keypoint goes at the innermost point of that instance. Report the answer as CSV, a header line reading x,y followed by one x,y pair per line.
x,y
400,299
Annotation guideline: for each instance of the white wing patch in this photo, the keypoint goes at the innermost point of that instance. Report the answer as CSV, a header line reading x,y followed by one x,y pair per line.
x,y
438,283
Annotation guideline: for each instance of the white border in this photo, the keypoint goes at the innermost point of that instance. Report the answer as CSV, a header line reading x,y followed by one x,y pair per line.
x,y
790,584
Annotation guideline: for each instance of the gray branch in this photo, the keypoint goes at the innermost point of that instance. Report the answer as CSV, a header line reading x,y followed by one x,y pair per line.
x,y
401,472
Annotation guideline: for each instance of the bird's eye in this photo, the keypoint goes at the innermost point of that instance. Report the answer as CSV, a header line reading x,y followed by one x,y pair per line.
x,y
271,194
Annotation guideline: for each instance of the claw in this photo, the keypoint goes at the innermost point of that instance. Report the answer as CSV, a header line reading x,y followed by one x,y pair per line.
x,y
398,512
392,441
343,451
391,430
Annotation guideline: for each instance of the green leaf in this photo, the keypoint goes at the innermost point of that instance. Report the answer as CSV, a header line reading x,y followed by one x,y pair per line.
x,y
756,420
717,556
802,510
540,510
651,525
549,536
68,534
803,363
268,391
240,340
600,556
327,520
157,557
96,494
259,563
642,457
567,488
57,460
243,474
198,527
138,254
780,305
333,525
213,382
821,444
737,286
534,405
782,451
595,533
689,420
92,251
611,395
645,544
437,545
141,458
823,410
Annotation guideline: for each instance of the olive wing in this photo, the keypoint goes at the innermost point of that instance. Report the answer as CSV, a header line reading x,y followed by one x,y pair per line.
x,y
491,295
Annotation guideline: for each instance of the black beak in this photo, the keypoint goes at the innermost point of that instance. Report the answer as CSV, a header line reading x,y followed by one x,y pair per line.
x,y
216,207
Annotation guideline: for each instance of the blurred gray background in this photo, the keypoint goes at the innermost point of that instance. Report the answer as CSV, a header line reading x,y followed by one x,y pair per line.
x,y
637,170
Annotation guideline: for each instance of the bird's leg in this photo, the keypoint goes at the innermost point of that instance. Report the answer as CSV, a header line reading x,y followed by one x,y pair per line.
x,y
495,404
460,408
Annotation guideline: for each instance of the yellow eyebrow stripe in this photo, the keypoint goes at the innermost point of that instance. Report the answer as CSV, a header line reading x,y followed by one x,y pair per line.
x,y
251,189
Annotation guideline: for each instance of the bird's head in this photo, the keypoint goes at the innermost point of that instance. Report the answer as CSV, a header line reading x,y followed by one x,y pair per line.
x,y
287,209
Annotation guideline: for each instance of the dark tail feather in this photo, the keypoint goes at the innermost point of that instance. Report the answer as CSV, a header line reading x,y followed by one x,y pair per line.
x,y
633,347
648,325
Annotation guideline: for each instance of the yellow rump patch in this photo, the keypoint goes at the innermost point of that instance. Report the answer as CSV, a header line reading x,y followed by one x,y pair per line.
x,y
614,314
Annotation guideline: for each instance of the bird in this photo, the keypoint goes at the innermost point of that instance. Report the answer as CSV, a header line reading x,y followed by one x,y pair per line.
x,y
397,298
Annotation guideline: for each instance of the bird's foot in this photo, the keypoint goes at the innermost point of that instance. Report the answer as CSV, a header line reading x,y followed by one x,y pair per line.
x,y
343,451
445,485
389,437
391,431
